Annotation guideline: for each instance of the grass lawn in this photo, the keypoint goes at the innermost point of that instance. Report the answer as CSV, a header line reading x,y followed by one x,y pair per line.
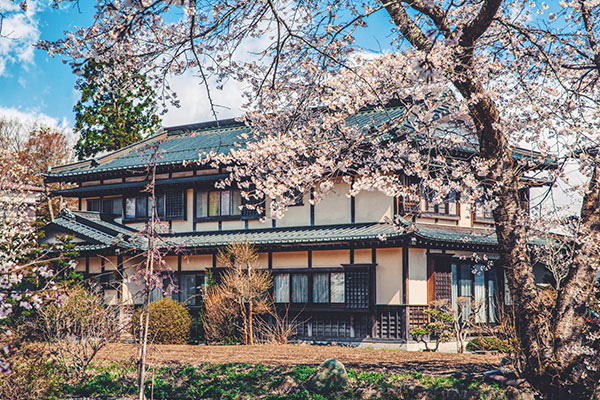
x,y
258,381
280,372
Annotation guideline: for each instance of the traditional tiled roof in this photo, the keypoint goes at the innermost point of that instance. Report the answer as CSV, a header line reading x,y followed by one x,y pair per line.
x,y
104,234
182,145
97,232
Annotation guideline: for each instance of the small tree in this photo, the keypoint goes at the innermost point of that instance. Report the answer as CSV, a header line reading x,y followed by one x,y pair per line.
x,y
438,328
464,319
241,294
78,326
109,119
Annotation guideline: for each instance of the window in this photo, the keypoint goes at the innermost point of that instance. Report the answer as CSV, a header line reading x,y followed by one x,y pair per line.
x,y
218,203
328,288
483,211
409,204
338,292
112,205
357,289
169,206
297,197
281,288
93,204
299,288
349,288
141,207
191,288
478,284
136,207
430,205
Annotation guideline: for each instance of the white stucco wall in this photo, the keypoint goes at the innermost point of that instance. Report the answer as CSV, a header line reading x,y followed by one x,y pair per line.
x,y
187,224
417,276
95,265
334,208
196,262
363,256
290,259
373,206
330,258
296,215
389,276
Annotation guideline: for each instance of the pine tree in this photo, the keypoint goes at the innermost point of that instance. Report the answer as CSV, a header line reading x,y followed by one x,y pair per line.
x,y
112,115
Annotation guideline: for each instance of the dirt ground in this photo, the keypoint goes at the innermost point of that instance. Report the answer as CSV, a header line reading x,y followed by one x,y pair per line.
x,y
362,358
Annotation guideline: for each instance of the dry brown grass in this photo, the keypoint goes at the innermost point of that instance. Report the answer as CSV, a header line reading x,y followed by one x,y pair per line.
x,y
291,354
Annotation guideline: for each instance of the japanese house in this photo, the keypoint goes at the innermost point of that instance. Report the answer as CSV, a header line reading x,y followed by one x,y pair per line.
x,y
328,260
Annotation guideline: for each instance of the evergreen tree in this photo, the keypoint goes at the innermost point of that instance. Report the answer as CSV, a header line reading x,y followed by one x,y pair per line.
x,y
111,115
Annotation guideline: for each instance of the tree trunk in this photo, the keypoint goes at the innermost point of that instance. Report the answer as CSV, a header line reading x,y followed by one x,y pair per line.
x,y
250,320
547,341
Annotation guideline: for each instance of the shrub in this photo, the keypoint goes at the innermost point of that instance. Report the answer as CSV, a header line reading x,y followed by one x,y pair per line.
x,y
170,322
488,344
78,327
33,375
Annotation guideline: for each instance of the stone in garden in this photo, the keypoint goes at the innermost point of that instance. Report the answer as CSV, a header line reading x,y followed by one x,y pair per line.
x,y
330,376
288,385
513,393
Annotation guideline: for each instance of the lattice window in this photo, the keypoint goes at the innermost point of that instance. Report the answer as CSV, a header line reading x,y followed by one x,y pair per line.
x,y
442,281
357,289
416,316
174,205
390,322
252,213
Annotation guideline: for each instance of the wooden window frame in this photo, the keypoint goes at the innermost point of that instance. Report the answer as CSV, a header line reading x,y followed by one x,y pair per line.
x,y
436,207
451,260
219,216
148,202
310,272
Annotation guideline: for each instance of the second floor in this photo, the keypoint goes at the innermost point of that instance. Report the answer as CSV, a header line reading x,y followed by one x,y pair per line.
x,y
201,207
187,198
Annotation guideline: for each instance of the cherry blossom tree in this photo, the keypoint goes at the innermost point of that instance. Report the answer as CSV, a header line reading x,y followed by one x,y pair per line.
x,y
473,80
28,270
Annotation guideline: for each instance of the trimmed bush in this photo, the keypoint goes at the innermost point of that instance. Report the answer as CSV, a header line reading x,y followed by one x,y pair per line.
x,y
488,344
170,322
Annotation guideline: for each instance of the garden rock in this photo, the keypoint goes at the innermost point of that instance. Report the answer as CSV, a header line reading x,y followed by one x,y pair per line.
x,y
330,376
369,393
288,385
513,393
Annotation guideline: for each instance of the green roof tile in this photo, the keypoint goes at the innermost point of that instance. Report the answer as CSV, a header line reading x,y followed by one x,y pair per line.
x,y
111,234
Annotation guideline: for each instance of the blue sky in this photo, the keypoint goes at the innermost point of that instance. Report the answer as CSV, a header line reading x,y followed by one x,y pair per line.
x,y
32,84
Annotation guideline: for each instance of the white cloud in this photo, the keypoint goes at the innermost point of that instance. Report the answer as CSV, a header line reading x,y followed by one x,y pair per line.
x,y
195,106
228,101
19,31
33,117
